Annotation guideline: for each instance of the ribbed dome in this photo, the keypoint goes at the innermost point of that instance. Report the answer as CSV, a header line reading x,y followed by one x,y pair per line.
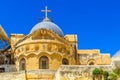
x,y
48,25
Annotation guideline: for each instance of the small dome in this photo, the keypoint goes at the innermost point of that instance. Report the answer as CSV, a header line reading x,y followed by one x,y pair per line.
x,y
48,25
116,55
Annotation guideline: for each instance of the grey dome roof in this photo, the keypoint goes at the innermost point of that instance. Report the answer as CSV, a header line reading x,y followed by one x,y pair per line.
x,y
48,25
116,55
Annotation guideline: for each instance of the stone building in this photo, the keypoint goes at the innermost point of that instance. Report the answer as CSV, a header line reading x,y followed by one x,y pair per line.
x,y
47,49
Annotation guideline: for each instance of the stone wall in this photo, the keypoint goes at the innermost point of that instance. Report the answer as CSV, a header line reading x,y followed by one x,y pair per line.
x,y
97,59
65,72
29,75
12,76
8,68
75,72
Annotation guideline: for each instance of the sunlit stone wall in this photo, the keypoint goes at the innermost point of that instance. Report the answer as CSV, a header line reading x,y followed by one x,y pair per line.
x,y
75,72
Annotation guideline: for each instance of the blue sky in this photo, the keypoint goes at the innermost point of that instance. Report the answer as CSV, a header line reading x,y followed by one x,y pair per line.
x,y
96,22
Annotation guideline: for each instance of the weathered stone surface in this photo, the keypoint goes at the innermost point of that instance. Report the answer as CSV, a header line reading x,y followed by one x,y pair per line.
x,y
76,72
65,72
29,75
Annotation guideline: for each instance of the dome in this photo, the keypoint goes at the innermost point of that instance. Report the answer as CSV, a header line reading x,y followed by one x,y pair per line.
x,y
116,55
48,25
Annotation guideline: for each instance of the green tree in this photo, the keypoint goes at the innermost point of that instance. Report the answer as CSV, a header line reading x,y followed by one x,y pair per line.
x,y
105,74
112,76
117,71
101,73
97,73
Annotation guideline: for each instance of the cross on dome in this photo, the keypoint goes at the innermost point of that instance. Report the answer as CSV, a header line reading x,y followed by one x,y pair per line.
x,y
46,13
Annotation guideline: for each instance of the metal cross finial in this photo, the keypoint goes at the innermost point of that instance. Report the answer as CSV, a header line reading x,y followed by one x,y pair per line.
x,y
46,11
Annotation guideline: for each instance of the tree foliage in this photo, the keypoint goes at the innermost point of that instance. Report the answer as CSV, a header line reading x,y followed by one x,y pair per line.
x,y
117,71
97,73
113,76
105,74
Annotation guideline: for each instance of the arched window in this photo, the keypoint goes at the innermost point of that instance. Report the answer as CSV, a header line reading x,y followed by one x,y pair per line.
x,y
65,61
22,64
44,62
91,63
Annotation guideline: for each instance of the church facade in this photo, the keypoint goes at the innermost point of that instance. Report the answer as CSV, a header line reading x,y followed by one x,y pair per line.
x,y
47,48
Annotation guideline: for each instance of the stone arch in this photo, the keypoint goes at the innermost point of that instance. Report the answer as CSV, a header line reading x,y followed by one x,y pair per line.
x,y
43,54
22,64
40,54
21,56
31,55
65,61
43,62
56,56
91,62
